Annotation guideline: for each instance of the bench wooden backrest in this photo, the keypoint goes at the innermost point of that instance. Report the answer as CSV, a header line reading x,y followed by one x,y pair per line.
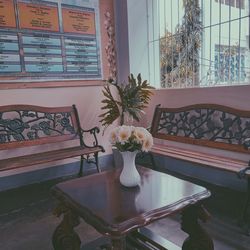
x,y
203,124
27,125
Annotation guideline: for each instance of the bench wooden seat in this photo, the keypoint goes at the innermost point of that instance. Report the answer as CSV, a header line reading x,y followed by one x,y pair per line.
x,y
39,158
22,126
213,161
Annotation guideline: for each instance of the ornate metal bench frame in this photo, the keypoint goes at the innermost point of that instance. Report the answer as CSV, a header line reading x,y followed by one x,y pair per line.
x,y
209,125
26,125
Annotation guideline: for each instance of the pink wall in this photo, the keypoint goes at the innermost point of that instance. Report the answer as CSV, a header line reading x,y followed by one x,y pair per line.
x,y
233,96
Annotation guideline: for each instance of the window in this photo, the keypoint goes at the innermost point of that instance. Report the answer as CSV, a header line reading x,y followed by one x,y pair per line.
x,y
198,42
226,64
233,3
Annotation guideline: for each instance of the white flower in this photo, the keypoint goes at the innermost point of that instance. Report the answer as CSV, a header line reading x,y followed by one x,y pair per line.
x,y
129,138
147,144
140,134
113,136
124,133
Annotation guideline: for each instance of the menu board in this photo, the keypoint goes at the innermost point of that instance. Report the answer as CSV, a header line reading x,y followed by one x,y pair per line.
x,y
81,55
42,53
41,16
78,21
49,39
9,53
7,14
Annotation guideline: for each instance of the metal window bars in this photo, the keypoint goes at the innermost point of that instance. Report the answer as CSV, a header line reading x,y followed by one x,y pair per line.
x,y
215,53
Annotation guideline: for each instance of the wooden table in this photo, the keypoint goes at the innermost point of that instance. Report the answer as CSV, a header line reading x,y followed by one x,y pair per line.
x,y
119,213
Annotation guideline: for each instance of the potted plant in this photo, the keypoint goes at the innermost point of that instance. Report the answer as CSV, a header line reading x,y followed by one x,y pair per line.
x,y
129,103
133,97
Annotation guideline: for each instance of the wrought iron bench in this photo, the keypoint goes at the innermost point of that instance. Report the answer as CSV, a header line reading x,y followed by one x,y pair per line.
x,y
22,126
207,125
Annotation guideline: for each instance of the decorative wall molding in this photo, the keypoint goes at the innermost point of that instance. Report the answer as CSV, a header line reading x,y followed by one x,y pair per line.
x,y
110,47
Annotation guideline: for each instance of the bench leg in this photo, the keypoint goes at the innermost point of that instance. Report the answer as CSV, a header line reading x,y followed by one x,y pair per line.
x,y
152,161
97,162
246,213
148,157
81,166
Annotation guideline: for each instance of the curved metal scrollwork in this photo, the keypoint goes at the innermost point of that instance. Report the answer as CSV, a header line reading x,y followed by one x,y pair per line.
x,y
30,125
205,123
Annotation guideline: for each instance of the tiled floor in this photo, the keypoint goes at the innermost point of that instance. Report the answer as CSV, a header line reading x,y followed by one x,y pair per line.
x,y
27,222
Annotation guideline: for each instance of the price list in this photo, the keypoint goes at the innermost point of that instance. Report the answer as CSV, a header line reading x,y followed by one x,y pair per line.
x,y
78,20
42,53
38,16
7,14
81,55
9,54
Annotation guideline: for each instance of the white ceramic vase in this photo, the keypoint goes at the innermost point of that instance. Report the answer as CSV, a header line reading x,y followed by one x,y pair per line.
x,y
129,176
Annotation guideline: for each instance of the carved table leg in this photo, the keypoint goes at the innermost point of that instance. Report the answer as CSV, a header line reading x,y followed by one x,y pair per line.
x,y
64,237
198,238
245,215
118,244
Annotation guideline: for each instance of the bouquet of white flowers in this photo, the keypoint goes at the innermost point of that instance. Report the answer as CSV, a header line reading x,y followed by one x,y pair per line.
x,y
130,138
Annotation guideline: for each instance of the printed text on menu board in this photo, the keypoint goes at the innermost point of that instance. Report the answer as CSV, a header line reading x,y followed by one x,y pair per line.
x,y
55,41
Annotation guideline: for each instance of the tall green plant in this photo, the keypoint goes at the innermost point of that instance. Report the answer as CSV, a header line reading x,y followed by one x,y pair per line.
x,y
133,97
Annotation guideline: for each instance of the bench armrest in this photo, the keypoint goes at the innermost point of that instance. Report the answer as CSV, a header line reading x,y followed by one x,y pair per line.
x,y
93,132
242,173
246,143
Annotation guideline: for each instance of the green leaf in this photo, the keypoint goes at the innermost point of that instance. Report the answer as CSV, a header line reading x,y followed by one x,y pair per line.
x,y
132,99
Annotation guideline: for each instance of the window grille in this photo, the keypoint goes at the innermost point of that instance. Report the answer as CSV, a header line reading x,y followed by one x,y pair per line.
x,y
226,65
200,42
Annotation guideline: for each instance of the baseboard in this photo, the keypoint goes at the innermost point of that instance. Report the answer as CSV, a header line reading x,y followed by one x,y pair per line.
x,y
214,176
52,172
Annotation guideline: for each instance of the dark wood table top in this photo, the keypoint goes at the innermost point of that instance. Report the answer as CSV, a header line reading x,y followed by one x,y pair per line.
x,y
115,210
